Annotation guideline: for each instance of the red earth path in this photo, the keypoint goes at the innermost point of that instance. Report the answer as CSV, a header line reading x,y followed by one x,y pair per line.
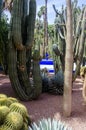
x,y
51,105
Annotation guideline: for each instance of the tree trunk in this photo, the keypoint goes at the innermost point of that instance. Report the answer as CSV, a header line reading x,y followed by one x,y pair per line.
x,y
68,63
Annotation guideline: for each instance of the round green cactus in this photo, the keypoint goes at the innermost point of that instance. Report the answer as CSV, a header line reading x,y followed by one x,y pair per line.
x,y
20,108
14,120
4,110
3,96
4,127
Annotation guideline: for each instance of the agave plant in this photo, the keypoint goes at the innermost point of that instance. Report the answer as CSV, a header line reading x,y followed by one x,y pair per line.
x,y
49,124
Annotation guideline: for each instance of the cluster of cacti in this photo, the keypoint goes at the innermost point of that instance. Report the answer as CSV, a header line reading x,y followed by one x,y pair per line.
x,y
49,124
79,25
13,114
53,85
56,84
20,50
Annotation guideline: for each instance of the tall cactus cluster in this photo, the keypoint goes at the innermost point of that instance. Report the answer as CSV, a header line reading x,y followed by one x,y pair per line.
x,y
79,33
21,39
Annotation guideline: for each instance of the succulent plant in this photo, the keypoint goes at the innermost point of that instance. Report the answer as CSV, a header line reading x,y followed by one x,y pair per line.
x,y
56,84
14,120
20,108
4,127
3,96
12,99
49,124
4,102
13,115
4,110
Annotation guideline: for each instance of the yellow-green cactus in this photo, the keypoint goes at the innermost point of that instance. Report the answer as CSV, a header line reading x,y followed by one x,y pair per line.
x,y
3,96
20,108
14,120
4,127
4,102
4,110
13,115
12,100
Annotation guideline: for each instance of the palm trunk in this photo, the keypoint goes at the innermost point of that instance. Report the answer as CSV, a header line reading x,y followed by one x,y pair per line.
x,y
68,63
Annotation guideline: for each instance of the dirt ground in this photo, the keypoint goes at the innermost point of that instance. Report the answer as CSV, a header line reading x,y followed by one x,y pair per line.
x,y
51,105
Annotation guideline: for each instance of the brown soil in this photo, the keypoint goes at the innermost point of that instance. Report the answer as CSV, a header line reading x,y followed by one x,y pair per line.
x,y
51,105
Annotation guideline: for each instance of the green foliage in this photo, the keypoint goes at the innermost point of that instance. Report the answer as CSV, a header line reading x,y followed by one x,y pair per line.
x,y
49,124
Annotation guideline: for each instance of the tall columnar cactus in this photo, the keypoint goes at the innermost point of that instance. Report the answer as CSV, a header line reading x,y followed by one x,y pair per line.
x,y
79,26
20,44
1,1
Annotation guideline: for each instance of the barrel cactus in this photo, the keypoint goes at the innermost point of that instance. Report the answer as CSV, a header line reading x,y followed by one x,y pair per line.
x,y
48,124
14,120
4,110
13,116
18,107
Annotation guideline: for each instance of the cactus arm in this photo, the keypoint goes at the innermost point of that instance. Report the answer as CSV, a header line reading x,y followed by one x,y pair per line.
x,y
13,73
77,34
1,1
31,23
17,24
79,23
23,75
36,74
82,43
59,31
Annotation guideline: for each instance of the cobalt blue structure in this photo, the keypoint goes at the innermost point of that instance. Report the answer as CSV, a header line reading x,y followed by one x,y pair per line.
x,y
48,64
